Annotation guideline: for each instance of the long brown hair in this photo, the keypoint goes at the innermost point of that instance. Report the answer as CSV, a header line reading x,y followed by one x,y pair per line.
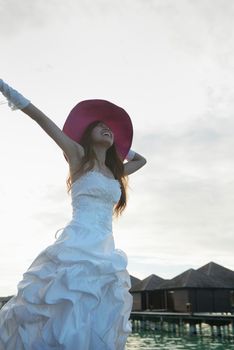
x,y
112,161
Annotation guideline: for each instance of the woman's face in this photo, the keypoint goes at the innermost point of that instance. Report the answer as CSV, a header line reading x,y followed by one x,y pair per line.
x,y
101,133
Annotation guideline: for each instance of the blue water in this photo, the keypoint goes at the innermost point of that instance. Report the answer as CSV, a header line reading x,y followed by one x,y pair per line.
x,y
168,342
152,340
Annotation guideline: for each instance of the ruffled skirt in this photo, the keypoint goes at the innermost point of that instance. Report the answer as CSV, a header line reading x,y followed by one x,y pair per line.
x,y
74,296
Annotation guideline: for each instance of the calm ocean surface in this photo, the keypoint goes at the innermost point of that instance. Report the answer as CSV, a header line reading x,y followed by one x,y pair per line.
x,y
155,340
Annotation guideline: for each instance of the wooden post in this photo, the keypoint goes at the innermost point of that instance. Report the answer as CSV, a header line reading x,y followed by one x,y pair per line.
x,y
174,327
200,328
219,333
192,329
161,323
224,330
181,326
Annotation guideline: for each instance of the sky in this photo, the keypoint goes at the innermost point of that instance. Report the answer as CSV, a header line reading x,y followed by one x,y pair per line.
x,y
170,65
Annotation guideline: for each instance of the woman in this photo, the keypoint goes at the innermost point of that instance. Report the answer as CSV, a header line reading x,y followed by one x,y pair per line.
x,y
75,295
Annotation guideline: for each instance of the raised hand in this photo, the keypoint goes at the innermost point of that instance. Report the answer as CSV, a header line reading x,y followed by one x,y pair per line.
x,y
14,98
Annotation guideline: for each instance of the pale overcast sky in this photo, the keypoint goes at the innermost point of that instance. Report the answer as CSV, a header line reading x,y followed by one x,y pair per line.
x,y
170,64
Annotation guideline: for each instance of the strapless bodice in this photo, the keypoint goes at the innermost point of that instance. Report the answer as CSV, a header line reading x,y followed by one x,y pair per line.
x,y
93,197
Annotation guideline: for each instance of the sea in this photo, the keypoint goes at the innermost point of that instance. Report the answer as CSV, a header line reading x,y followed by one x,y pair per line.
x,y
156,340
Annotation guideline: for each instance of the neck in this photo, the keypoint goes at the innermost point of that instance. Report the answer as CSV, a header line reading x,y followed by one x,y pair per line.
x,y
101,155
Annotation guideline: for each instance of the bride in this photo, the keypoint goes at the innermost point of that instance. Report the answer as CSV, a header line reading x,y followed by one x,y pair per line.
x,y
75,295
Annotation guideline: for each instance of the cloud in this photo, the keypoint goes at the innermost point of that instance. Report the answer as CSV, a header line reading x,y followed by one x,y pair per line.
x,y
184,197
19,16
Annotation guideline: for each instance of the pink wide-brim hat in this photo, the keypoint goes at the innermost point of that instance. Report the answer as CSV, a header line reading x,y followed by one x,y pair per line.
x,y
115,117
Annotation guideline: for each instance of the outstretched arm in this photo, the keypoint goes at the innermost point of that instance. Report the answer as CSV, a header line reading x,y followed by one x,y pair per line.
x,y
135,162
72,149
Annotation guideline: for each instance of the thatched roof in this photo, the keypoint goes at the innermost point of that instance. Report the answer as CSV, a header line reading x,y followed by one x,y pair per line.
x,y
134,280
191,279
219,273
149,283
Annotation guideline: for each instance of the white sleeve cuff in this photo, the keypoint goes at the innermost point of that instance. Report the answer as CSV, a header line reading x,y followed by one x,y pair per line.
x,y
14,98
130,155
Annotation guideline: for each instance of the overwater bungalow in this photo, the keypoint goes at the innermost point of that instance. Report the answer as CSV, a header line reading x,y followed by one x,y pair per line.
x,y
194,291
219,273
207,289
134,280
145,295
224,276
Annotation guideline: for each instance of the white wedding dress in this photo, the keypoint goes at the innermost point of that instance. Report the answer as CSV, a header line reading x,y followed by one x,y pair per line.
x,y
75,295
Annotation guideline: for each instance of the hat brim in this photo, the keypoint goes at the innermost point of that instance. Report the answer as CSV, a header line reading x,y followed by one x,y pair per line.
x,y
115,117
